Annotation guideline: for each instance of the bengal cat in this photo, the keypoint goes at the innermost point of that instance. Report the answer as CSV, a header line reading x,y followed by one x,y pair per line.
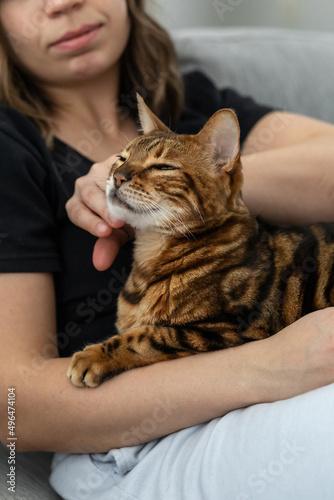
x,y
206,274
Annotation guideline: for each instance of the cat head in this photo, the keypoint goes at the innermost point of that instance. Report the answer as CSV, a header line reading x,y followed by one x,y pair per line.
x,y
175,183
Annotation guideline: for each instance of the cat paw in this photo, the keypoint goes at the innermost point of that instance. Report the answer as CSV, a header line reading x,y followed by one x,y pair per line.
x,y
91,367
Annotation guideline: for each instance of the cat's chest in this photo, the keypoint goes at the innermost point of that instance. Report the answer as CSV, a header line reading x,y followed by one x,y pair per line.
x,y
158,304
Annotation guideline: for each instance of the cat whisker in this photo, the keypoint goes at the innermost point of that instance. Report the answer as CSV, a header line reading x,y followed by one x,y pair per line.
x,y
178,219
158,216
197,210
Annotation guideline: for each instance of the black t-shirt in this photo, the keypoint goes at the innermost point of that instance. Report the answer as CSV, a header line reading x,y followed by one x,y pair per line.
x,y
36,234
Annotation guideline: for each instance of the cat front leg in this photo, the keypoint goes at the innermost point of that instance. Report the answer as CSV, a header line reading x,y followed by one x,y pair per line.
x,y
137,347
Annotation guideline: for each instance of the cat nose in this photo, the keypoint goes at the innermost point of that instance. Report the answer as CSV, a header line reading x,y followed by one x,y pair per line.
x,y
121,177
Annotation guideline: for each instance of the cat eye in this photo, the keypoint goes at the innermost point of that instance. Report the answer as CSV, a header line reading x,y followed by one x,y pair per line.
x,y
121,158
163,167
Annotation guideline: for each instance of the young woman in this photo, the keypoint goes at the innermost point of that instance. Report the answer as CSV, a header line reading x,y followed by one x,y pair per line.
x,y
69,72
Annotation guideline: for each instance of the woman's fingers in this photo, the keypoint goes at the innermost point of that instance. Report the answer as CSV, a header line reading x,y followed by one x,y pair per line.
x,y
83,217
87,208
106,249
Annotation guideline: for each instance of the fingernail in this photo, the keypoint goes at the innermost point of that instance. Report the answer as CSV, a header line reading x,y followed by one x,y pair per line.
x,y
115,222
102,228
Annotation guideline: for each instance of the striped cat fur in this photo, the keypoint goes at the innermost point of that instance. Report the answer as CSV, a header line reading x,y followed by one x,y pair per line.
x,y
206,274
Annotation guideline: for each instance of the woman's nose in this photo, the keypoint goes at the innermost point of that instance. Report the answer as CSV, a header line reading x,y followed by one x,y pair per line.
x,y
56,7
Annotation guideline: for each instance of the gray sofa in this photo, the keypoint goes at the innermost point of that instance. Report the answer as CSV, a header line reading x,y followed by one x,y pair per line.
x,y
292,70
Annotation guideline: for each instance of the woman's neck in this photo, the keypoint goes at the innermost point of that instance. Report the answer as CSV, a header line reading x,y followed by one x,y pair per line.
x,y
88,117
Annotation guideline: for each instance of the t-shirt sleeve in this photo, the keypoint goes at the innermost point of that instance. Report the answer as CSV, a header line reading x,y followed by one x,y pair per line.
x,y
203,98
28,234
248,111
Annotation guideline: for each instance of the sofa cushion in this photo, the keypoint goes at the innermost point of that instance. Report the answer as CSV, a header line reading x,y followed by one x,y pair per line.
x,y
292,70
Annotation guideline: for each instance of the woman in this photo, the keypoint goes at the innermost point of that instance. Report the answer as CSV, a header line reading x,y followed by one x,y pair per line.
x,y
68,75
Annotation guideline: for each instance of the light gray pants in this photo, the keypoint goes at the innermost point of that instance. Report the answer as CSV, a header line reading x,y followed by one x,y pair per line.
x,y
277,451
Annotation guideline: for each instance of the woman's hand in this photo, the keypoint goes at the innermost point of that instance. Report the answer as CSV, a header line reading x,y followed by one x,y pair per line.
x,y
300,358
88,209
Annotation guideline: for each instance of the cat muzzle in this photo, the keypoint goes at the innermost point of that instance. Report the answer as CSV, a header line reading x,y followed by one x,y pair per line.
x,y
121,177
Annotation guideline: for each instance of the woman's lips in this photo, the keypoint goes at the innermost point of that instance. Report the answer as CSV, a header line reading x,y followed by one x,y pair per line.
x,y
73,40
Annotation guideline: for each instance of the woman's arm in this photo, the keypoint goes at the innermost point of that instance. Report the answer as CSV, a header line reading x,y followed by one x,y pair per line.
x,y
288,163
52,414
145,403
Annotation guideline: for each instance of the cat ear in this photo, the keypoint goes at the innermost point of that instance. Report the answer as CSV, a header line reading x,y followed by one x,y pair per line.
x,y
148,121
222,133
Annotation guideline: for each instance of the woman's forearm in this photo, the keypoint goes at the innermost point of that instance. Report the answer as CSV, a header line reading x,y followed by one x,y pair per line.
x,y
148,403
296,182
135,407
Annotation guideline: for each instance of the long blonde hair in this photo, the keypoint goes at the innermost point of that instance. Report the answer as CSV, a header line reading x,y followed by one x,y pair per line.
x,y
148,66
